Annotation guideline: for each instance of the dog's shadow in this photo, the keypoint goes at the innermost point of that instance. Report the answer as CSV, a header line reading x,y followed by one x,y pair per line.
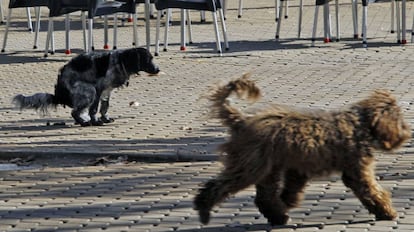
x,y
267,227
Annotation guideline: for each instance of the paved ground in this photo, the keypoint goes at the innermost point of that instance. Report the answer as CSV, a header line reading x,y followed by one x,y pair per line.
x,y
63,191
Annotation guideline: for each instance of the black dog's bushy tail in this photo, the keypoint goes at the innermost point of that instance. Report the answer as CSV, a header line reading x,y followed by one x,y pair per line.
x,y
221,108
39,102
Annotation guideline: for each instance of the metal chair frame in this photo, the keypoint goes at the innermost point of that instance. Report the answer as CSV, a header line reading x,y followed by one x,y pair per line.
x,y
209,5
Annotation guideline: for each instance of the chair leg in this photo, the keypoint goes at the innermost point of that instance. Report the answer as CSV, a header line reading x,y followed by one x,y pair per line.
x,y
183,43
412,32
300,18
147,24
338,31
37,27
49,36
392,16
315,24
52,38
167,26
90,35
129,18
1,14
29,20
286,9
277,3
6,33
280,19
397,9
157,34
327,22
403,22
202,16
106,43
134,30
240,12
218,43
355,18
67,30
115,31
224,29
364,23
151,10
83,18
190,31
224,8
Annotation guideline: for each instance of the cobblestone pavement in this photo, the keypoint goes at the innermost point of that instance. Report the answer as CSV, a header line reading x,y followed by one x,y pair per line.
x,y
158,197
61,192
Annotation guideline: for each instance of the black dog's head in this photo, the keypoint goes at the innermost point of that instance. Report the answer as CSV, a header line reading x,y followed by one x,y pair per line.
x,y
138,59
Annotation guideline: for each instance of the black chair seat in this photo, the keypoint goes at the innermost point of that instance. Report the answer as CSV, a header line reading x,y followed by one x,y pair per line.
x,y
94,7
109,7
25,3
206,5
185,5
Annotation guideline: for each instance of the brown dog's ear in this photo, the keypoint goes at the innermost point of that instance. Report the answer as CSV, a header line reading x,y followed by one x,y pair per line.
x,y
385,128
387,121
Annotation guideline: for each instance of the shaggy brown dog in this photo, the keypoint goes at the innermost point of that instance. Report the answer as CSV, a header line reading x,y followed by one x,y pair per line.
x,y
280,150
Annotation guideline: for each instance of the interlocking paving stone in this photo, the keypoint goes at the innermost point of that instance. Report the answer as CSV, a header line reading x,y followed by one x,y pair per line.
x,y
107,209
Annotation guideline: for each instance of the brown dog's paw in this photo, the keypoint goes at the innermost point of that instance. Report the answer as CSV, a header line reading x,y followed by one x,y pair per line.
x,y
204,216
278,220
386,215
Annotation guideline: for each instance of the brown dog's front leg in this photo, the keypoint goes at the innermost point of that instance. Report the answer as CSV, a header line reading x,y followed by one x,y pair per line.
x,y
370,193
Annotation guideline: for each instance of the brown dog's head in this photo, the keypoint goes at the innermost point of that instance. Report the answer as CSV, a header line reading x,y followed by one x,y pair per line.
x,y
385,119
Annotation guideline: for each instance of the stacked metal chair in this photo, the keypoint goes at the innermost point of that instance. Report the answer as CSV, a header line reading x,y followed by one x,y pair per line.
x,y
327,21
94,8
24,4
202,5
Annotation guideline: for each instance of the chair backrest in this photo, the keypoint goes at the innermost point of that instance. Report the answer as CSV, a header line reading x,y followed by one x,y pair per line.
x,y
111,7
143,1
26,3
207,5
61,7
94,7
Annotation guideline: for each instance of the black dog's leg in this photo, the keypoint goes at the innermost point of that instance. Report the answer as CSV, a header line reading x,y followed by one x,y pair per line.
x,y
104,107
93,109
83,96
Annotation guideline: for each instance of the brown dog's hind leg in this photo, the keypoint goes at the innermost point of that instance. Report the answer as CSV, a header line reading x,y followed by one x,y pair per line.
x,y
229,181
268,200
370,193
293,188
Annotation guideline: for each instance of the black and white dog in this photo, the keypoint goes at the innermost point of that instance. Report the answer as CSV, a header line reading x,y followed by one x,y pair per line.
x,y
89,78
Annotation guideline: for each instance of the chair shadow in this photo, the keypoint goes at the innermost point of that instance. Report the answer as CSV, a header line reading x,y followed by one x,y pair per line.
x,y
35,56
241,47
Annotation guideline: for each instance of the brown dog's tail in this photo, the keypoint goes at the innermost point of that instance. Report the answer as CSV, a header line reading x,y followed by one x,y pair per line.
x,y
221,108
